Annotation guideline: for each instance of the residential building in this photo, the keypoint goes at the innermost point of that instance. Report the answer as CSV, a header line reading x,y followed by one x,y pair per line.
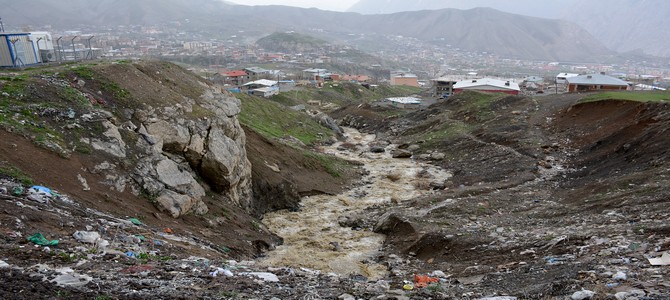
x,y
236,78
260,84
355,78
407,79
443,87
488,85
265,92
257,73
262,88
562,77
595,82
312,74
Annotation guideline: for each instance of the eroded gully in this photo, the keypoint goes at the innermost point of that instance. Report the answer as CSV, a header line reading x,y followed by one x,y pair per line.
x,y
313,238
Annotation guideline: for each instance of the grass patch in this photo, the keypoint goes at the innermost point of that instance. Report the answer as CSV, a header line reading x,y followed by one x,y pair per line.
x,y
198,111
645,96
73,95
14,87
276,121
118,92
448,130
331,164
84,72
478,103
13,172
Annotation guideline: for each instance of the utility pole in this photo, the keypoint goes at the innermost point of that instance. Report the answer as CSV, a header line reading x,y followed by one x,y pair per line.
x,y
90,50
2,26
74,51
59,57
39,52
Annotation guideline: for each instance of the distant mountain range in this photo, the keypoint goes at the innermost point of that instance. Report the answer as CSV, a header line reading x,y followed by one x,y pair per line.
x,y
481,29
621,25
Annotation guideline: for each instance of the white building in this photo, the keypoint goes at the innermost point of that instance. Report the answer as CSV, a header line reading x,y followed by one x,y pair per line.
x,y
562,77
489,85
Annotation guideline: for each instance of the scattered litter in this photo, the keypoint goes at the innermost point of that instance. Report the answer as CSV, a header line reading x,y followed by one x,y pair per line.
x,y
558,260
39,239
71,279
621,276
17,191
90,237
83,182
499,298
471,279
529,251
137,269
422,281
130,254
223,271
664,260
438,273
554,242
3,264
40,194
583,294
135,221
39,188
14,234
267,277
408,287
167,230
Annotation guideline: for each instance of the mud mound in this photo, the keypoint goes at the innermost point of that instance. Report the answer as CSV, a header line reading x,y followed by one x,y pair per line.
x,y
616,137
366,117
282,174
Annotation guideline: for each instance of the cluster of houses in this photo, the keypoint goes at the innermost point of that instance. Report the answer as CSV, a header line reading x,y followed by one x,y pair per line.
x,y
258,81
569,82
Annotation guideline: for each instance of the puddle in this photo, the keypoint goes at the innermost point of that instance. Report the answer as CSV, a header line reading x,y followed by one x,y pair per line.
x,y
312,236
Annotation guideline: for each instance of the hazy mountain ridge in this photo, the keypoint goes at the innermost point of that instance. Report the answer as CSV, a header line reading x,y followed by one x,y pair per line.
x,y
105,12
621,25
476,30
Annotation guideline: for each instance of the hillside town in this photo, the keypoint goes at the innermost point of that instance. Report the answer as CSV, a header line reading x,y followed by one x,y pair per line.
x,y
238,63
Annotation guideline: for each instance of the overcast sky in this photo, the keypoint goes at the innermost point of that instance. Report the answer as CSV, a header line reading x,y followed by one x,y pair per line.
x,y
335,5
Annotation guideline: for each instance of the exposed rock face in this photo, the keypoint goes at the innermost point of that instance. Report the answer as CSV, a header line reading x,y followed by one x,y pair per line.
x,y
178,156
112,141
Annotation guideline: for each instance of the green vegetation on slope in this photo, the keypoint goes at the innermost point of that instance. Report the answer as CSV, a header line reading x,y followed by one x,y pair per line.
x,y
45,103
13,172
274,120
646,96
290,42
462,116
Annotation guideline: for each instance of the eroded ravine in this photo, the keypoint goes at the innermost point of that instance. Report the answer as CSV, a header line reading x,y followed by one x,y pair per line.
x,y
312,236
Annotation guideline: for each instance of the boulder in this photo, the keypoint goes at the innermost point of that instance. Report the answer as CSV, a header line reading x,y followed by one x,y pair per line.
x,y
179,204
112,143
401,153
226,168
437,156
169,173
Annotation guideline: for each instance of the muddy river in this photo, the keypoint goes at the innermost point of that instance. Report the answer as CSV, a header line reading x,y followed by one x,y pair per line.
x,y
313,238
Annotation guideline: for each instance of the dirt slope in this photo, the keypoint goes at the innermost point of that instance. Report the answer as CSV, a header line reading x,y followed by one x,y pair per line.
x,y
549,196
